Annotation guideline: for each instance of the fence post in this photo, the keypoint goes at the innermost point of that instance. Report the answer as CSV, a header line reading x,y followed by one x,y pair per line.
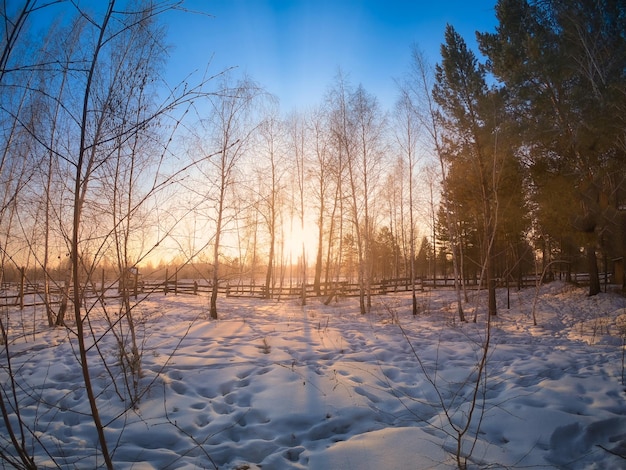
x,y
102,289
22,280
165,288
175,281
136,282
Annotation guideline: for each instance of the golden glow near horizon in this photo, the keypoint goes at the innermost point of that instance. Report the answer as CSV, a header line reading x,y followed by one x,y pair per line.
x,y
288,247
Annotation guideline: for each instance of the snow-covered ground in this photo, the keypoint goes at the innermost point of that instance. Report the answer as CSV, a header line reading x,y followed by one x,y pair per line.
x,y
275,385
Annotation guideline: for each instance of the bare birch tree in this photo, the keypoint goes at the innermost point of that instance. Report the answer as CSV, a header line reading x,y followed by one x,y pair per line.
x,y
16,170
321,187
105,122
363,122
297,143
271,186
407,130
229,129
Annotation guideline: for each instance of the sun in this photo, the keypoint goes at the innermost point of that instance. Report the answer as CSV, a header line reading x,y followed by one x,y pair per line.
x,y
296,239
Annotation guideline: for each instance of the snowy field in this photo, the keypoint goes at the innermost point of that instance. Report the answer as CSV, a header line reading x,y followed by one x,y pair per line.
x,y
275,385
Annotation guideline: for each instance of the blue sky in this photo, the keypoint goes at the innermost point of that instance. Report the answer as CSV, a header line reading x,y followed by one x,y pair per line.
x,y
294,48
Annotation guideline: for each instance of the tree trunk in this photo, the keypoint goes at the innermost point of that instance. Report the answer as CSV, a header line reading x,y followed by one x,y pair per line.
x,y
214,300
270,267
216,257
594,276
317,281
65,295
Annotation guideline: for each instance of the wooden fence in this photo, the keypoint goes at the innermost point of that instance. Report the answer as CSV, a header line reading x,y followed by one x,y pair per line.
x,y
27,294
32,294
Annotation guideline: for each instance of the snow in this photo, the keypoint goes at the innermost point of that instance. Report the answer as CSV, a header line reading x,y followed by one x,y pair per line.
x,y
276,385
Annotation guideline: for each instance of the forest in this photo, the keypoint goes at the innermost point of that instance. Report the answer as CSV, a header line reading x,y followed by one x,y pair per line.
x,y
485,170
